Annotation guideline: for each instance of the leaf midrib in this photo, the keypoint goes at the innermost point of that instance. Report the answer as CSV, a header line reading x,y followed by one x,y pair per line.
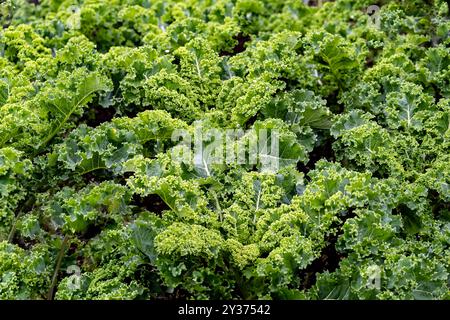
x,y
66,117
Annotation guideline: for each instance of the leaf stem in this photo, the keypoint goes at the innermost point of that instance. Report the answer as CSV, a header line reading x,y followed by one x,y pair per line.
x,y
57,267
219,208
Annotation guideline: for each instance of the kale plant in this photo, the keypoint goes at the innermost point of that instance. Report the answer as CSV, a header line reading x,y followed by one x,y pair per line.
x,y
128,167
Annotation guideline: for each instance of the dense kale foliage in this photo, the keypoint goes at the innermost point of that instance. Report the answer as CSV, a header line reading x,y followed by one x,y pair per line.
x,y
92,91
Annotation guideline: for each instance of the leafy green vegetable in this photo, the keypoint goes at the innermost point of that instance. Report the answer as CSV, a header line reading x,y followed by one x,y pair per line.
x,y
227,149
